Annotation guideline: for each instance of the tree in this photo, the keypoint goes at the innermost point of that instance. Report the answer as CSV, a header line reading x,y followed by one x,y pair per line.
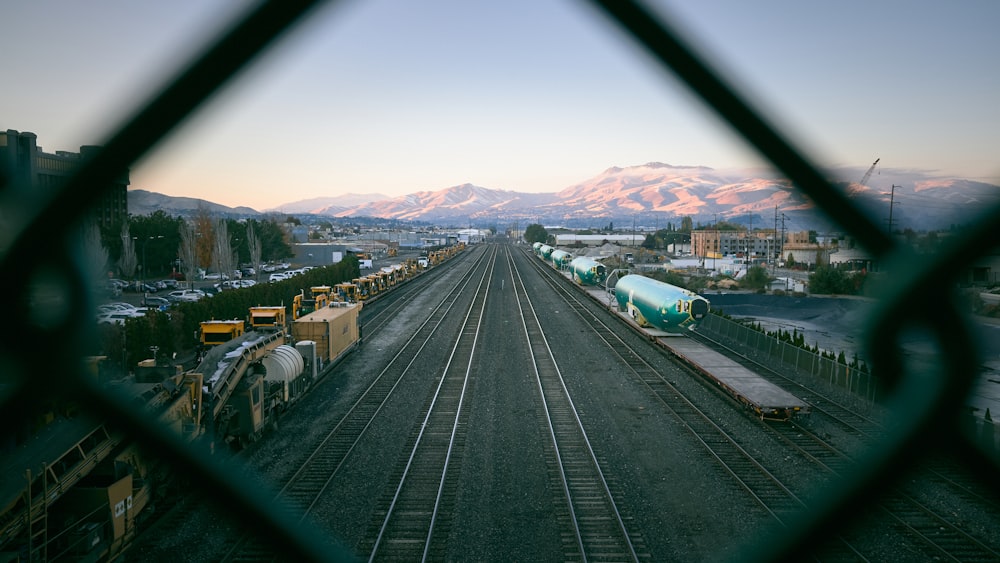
x,y
95,255
204,237
686,224
222,251
535,233
253,246
188,250
274,240
827,280
128,260
159,236
756,278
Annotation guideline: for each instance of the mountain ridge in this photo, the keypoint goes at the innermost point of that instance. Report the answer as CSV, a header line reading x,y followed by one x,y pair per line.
x,y
649,192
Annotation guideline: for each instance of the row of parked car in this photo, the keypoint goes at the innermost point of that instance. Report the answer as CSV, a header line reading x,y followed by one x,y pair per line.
x,y
279,276
117,312
117,287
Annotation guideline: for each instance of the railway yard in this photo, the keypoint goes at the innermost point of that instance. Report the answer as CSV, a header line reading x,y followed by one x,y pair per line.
x,y
495,410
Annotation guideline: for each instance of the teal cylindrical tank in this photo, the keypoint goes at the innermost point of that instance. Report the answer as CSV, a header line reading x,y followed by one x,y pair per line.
x,y
587,271
659,305
560,258
545,251
535,247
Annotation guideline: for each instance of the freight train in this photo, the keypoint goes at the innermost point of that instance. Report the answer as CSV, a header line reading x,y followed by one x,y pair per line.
x,y
251,379
560,259
659,305
79,488
656,307
587,271
650,303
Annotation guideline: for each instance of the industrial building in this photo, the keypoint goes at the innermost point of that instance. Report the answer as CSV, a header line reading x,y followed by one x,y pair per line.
x,y
28,167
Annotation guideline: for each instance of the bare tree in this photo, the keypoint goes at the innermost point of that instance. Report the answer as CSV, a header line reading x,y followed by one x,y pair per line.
x,y
254,246
222,252
95,255
205,244
128,260
188,250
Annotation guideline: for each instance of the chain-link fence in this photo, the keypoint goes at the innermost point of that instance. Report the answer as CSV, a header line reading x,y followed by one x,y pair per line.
x,y
775,352
43,348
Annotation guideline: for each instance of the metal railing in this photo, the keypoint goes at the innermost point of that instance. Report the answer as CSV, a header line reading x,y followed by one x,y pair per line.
x,y
777,352
41,353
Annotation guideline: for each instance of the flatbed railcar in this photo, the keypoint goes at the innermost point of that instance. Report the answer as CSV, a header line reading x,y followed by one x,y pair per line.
x,y
764,398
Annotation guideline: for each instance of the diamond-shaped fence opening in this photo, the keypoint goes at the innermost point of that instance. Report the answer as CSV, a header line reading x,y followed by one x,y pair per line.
x,y
42,352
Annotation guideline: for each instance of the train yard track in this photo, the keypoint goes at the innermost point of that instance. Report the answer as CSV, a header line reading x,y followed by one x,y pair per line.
x,y
934,528
306,486
931,529
773,496
464,427
412,520
599,530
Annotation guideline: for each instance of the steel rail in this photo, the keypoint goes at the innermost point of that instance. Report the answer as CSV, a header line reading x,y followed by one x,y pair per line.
x,y
330,454
473,318
533,330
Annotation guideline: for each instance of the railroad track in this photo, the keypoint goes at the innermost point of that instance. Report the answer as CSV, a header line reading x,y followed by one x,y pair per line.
x,y
599,530
775,497
934,528
303,490
412,523
864,427
939,537
382,309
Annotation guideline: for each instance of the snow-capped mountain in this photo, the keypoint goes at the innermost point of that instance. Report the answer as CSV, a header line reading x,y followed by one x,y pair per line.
x,y
454,203
658,193
328,205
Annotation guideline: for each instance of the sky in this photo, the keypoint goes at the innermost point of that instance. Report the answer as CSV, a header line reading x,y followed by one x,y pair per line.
x,y
393,97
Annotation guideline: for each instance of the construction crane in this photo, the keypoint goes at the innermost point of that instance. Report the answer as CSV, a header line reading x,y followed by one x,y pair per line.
x,y
868,174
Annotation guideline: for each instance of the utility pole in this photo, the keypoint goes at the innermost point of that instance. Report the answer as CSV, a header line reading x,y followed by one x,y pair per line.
x,y
892,196
718,241
774,255
783,217
782,249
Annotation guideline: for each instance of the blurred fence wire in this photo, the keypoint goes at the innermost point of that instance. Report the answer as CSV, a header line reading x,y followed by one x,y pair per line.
x,y
42,357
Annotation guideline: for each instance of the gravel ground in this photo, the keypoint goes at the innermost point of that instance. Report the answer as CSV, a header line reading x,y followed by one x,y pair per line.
x,y
677,502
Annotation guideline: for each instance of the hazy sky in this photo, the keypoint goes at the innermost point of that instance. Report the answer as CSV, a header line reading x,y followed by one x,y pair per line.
x,y
395,96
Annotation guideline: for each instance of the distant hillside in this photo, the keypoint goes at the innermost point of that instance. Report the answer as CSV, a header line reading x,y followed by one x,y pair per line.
x,y
142,202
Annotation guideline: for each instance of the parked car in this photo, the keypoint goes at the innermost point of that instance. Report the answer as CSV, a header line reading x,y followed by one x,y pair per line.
x,y
154,302
186,295
116,306
277,276
141,287
119,317
235,284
